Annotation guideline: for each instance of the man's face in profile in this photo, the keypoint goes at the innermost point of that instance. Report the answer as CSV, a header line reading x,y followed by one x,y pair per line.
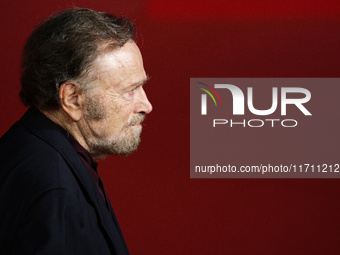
x,y
116,103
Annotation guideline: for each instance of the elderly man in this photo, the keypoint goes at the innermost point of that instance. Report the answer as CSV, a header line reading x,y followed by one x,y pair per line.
x,y
82,76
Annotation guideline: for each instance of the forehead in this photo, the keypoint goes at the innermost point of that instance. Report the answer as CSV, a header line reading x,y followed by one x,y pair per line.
x,y
119,66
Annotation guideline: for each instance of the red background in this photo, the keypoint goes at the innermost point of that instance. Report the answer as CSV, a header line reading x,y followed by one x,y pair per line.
x,y
160,209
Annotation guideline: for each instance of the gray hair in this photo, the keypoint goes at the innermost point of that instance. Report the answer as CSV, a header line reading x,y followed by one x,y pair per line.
x,y
63,48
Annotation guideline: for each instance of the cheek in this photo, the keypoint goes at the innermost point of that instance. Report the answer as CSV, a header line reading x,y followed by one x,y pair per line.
x,y
121,112
115,122
118,114
95,108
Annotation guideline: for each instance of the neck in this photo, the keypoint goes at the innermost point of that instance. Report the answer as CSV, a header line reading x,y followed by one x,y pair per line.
x,y
62,119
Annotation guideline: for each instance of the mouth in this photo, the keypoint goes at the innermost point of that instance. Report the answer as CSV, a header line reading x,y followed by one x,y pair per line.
x,y
137,121
136,125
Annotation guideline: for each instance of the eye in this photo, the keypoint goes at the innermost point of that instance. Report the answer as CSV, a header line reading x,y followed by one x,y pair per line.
x,y
132,92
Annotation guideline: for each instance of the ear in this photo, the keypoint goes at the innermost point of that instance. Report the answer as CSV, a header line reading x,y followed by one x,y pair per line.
x,y
71,100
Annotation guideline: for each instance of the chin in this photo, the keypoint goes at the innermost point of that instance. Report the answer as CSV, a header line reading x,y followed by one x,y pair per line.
x,y
123,146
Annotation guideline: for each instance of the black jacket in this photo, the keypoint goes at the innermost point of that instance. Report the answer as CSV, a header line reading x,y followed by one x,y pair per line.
x,y
48,202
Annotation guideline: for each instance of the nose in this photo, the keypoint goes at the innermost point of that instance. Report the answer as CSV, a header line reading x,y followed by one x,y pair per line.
x,y
143,105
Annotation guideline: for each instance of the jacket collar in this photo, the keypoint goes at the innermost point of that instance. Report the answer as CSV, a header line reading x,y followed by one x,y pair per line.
x,y
48,131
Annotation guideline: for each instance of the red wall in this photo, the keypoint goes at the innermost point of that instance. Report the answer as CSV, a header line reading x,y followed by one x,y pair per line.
x,y
160,209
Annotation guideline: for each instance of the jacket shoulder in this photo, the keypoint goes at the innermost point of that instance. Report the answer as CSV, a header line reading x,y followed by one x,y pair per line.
x,y
29,163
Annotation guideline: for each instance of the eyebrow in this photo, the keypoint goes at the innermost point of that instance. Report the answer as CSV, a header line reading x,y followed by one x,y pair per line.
x,y
140,83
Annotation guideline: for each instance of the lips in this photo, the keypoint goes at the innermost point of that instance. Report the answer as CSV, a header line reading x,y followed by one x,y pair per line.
x,y
137,124
137,120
